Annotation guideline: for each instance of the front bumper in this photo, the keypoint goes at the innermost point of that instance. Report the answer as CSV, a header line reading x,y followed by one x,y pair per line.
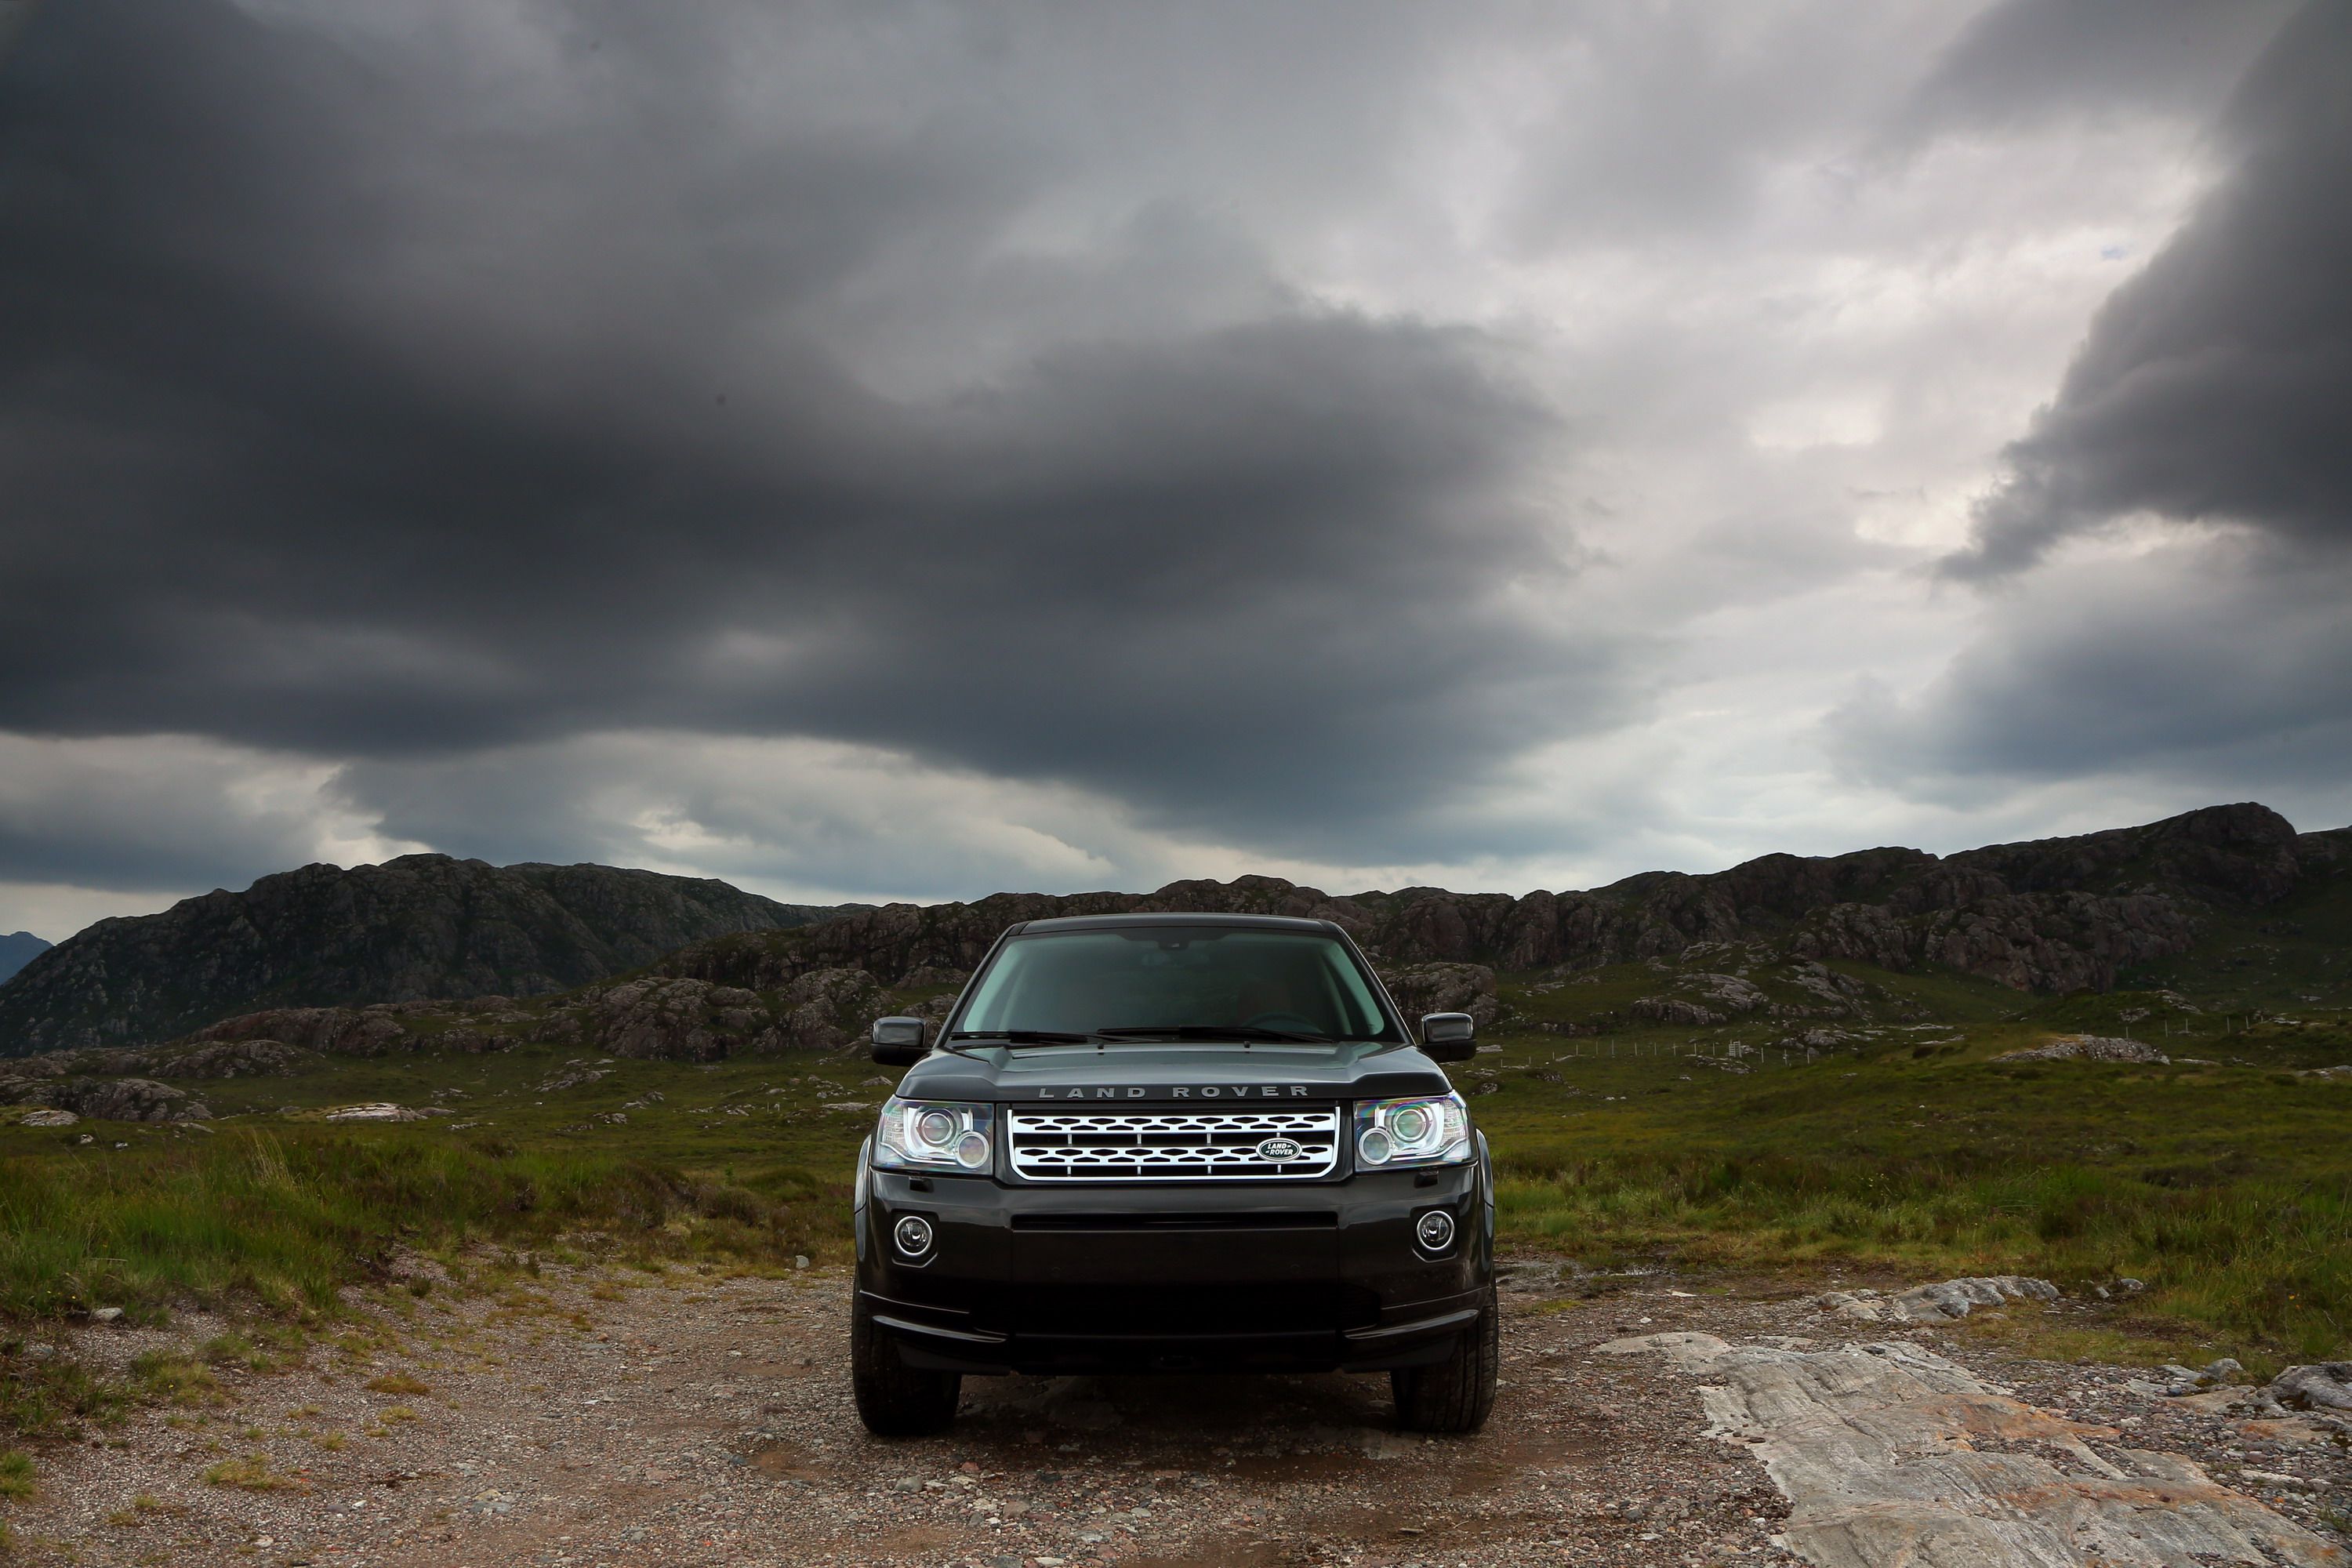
x,y
1205,1278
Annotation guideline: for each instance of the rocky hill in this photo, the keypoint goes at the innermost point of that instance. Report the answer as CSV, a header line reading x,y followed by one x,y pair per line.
x,y
421,926
2053,915
427,953
17,949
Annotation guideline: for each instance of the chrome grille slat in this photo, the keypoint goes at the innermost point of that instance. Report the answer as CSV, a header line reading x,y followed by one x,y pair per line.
x,y
1172,1145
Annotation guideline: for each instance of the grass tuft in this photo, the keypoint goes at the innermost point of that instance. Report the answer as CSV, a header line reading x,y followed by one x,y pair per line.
x,y
251,1474
398,1383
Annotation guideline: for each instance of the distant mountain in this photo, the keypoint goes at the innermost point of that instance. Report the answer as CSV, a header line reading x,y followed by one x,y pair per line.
x,y
17,950
2053,915
420,927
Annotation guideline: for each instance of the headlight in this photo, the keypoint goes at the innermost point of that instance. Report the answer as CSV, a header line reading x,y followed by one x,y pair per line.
x,y
1427,1130
934,1135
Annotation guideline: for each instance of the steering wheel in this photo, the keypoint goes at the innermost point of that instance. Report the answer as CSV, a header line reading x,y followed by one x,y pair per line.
x,y
1289,1023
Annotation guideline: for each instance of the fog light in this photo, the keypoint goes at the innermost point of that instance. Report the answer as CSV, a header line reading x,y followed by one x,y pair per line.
x,y
1434,1230
913,1235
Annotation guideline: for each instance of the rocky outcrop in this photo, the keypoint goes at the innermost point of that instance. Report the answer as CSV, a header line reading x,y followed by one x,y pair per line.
x,y
347,1031
912,943
651,1018
1705,998
106,1098
419,927
199,1058
1419,989
2054,915
2086,1048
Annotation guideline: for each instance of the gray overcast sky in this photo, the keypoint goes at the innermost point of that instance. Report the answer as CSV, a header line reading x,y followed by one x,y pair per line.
x,y
903,451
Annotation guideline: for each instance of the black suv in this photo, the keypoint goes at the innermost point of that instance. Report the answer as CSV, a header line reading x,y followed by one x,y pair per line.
x,y
1174,1142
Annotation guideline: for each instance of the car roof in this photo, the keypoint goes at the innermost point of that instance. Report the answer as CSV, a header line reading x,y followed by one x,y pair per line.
x,y
1175,918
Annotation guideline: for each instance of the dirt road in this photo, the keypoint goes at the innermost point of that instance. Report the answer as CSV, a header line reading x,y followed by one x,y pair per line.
x,y
696,1421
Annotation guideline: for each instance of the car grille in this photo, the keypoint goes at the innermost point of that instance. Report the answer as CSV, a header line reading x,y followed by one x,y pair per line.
x,y
1172,1146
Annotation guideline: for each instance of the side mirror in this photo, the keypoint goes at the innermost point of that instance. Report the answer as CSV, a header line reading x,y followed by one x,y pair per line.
x,y
1449,1037
899,1042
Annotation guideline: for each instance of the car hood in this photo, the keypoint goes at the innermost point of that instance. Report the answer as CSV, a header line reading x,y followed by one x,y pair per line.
x,y
1191,1073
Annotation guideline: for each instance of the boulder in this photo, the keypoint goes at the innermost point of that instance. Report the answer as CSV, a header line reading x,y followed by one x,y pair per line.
x,y
2325,1387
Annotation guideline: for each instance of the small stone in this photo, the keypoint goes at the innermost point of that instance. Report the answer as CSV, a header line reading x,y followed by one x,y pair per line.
x,y
105,1314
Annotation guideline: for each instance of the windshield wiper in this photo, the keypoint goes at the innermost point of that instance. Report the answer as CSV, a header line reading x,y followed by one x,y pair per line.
x,y
1025,1036
1244,1033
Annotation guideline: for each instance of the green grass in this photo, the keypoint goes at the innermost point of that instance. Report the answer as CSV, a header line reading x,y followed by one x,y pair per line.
x,y
1913,1153
17,1485
283,1218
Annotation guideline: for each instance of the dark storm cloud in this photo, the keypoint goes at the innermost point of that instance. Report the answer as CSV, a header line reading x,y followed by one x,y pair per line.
x,y
2218,660
2212,390
350,408
2021,63
2214,386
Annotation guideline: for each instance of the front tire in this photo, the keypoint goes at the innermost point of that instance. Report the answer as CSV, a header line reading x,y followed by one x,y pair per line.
x,y
896,1399
1456,1394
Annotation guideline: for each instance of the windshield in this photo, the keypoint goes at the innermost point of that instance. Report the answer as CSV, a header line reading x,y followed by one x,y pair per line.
x,y
1178,979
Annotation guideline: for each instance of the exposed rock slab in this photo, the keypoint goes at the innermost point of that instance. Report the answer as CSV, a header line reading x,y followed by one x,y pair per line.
x,y
368,1111
2087,1049
1890,1454
1937,1303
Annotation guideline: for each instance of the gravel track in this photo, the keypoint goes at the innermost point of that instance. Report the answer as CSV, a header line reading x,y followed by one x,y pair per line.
x,y
696,1421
